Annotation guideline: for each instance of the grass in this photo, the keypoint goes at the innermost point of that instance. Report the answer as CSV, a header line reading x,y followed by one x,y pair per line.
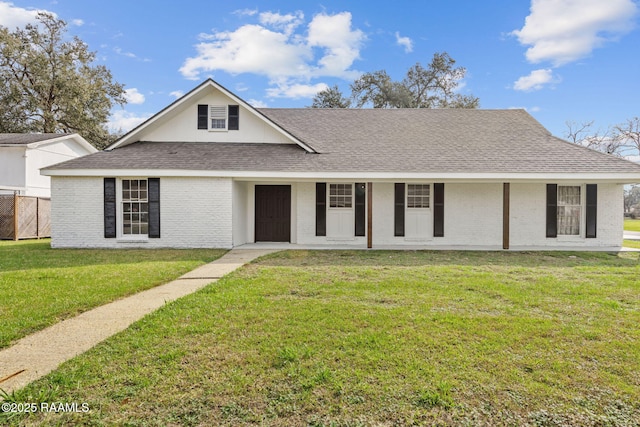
x,y
631,244
632,224
374,338
40,286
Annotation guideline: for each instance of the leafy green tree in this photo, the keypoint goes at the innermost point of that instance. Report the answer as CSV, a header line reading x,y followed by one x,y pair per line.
x,y
433,86
377,89
331,97
48,83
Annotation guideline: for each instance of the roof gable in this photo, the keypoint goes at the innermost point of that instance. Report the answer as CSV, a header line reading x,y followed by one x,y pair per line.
x,y
177,122
34,140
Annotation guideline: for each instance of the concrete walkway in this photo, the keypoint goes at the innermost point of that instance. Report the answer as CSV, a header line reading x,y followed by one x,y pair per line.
x,y
631,235
36,355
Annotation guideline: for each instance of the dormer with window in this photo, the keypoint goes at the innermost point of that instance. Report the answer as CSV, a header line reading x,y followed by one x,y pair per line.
x,y
218,117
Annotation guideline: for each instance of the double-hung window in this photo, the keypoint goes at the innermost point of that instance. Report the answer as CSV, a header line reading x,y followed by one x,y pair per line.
x,y
569,210
135,207
340,195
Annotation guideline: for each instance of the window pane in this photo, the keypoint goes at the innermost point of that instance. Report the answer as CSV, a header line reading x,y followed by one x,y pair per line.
x,y
135,210
568,196
569,210
418,195
569,220
340,195
218,123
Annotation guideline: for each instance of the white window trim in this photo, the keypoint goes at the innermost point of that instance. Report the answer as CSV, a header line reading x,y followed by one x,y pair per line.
x,y
419,211
406,197
211,117
352,197
583,216
120,236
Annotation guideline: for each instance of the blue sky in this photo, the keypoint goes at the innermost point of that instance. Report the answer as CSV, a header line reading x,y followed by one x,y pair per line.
x,y
562,60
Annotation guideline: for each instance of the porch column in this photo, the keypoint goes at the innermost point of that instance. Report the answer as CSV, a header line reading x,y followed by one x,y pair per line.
x,y
505,215
369,215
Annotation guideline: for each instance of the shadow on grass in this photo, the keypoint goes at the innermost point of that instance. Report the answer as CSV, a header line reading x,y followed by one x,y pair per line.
x,y
38,254
303,258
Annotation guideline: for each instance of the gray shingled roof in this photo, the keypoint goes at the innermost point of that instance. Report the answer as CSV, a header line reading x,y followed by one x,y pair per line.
x,y
26,138
368,140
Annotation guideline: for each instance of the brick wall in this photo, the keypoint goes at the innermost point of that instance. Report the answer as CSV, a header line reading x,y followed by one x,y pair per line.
x,y
195,212
528,218
198,212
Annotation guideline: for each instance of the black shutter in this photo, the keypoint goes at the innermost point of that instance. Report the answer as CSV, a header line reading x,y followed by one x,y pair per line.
x,y
154,207
234,117
398,210
109,208
321,208
592,210
203,116
438,209
361,190
552,210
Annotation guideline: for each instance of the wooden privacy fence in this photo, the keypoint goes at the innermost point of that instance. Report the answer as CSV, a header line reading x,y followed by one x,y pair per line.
x,y
23,217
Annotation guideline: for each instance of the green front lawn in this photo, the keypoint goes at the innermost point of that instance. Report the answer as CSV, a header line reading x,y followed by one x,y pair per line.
x,y
632,224
362,338
40,286
631,244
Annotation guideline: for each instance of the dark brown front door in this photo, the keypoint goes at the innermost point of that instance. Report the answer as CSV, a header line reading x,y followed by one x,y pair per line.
x,y
273,213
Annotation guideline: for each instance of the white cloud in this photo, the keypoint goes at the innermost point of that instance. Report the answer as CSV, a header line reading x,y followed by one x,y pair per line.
x,y
534,81
124,121
78,22
246,12
13,16
280,49
295,90
131,55
249,49
177,93
119,51
257,104
405,42
133,96
563,31
288,23
341,44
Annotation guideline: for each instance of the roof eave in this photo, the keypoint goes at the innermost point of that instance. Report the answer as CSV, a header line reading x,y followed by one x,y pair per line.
x,y
618,178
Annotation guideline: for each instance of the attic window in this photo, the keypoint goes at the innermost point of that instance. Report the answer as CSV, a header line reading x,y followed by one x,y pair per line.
x,y
218,117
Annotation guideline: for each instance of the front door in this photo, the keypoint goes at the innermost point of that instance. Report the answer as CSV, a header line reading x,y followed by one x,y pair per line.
x,y
273,213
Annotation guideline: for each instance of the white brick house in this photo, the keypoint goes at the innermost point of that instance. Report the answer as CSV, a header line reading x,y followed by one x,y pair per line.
x,y
212,171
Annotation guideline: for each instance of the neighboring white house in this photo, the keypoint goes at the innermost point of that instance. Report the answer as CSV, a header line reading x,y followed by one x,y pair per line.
x,y
212,171
23,155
